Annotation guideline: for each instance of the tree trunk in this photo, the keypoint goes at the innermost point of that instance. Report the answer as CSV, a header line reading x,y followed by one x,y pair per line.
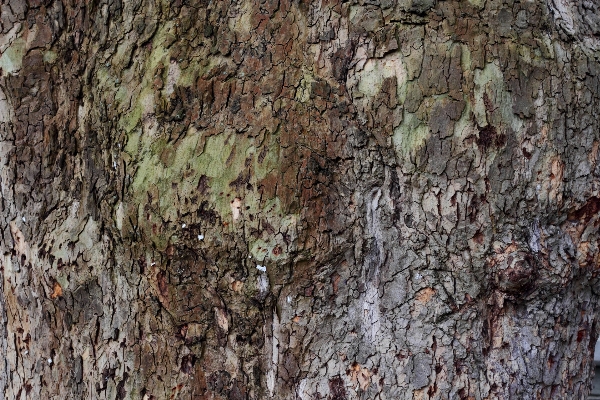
x,y
299,199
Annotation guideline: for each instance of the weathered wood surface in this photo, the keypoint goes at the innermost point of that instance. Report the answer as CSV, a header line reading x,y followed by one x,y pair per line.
x,y
299,199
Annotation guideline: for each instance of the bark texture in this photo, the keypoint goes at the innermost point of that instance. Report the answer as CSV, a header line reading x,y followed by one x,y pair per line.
x,y
299,199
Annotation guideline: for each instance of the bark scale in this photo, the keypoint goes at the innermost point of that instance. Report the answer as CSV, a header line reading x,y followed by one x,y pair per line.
x,y
298,199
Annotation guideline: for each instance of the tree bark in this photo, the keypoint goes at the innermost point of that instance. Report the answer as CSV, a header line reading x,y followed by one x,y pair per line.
x,y
299,199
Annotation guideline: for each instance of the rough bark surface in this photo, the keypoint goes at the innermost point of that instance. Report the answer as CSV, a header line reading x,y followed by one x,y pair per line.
x,y
299,199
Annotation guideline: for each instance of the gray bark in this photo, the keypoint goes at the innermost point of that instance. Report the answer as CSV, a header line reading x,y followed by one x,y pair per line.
x,y
299,199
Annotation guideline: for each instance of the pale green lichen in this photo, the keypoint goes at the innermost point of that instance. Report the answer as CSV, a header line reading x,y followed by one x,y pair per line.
x,y
410,135
303,90
270,246
546,46
174,171
123,54
375,71
168,173
12,58
490,83
63,281
50,56
478,3
465,57
242,23
135,100
525,54
464,126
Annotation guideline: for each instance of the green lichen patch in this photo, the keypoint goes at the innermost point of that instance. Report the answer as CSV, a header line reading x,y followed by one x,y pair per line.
x,y
12,58
410,135
375,71
304,88
222,171
50,56
492,103
276,232
480,4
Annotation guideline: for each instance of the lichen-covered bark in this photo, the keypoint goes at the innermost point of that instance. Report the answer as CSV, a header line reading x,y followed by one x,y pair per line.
x,y
299,199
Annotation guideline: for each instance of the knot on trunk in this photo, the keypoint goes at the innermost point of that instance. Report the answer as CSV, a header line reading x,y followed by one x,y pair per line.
x,y
515,272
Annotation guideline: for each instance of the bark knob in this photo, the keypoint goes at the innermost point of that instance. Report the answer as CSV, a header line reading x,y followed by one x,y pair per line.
x,y
515,273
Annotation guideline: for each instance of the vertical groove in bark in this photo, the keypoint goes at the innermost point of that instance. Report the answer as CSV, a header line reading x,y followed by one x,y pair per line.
x,y
296,199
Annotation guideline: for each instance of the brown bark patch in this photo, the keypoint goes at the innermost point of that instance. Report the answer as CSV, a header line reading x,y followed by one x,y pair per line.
x,y
593,157
585,213
277,251
360,375
161,279
219,382
479,237
237,286
20,245
335,281
424,295
56,291
337,391
432,389
556,178
203,186
187,364
489,137
420,394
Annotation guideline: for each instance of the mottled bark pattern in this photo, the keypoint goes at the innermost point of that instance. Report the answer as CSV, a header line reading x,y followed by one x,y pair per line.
x,y
299,199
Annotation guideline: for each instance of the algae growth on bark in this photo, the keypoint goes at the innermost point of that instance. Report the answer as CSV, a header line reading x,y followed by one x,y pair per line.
x,y
299,199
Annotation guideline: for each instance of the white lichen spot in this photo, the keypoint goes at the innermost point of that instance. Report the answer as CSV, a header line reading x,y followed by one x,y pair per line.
x,y
172,77
301,390
274,354
262,283
261,268
120,216
74,209
534,238
271,382
371,314
236,205
564,14
418,276
221,317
